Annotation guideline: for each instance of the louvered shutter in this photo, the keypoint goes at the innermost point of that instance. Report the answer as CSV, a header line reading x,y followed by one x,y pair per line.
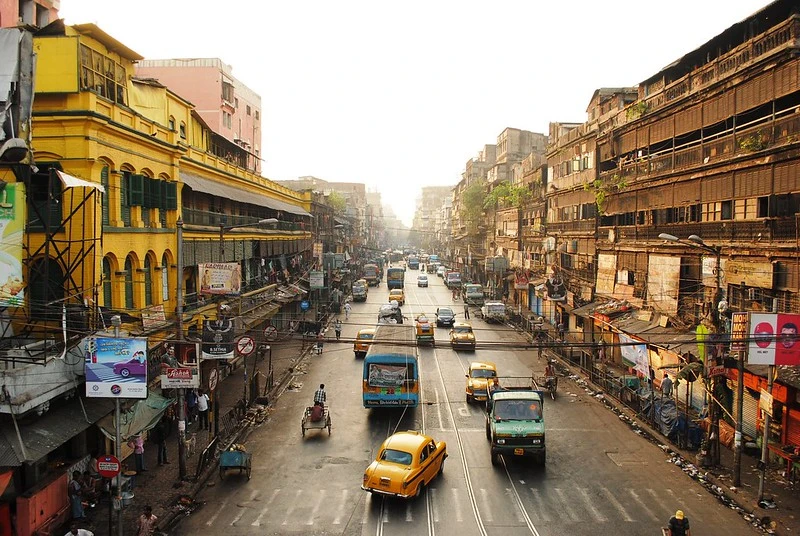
x,y
136,194
717,188
105,198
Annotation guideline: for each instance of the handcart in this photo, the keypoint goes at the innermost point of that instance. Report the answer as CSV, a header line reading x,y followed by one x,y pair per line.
x,y
321,424
235,458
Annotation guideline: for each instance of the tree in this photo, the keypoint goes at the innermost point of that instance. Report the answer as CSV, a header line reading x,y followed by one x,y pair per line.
x,y
472,206
337,202
506,194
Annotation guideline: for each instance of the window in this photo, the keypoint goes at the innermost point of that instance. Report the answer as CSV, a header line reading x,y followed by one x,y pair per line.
x,y
712,211
183,130
226,119
104,183
128,283
745,209
124,198
247,109
108,300
727,210
103,75
763,207
227,92
171,123
164,278
236,103
148,283
257,116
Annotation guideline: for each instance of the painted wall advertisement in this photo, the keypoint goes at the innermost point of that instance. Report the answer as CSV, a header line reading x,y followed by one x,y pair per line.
x,y
774,339
12,218
218,339
635,355
220,278
116,367
179,367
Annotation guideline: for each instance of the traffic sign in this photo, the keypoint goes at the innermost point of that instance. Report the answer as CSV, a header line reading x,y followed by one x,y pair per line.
x,y
305,305
245,345
107,466
213,376
270,333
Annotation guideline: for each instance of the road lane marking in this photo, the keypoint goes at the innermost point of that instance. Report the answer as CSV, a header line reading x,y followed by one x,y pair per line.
x,y
676,500
217,513
314,512
257,522
457,504
517,511
243,508
292,506
433,492
590,503
338,519
642,504
618,505
438,408
565,505
540,505
486,506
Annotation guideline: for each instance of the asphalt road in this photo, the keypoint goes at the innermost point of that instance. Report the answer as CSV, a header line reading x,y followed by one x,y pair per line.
x,y
600,477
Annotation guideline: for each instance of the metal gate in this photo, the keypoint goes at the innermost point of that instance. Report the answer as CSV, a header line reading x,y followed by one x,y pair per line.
x,y
749,413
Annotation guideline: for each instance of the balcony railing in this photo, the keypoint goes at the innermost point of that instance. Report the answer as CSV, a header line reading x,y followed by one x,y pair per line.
x,y
215,219
763,230
580,226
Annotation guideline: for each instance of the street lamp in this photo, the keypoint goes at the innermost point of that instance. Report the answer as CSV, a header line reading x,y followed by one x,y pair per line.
x,y
697,242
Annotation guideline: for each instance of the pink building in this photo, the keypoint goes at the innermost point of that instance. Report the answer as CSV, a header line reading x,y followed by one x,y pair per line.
x,y
230,108
37,13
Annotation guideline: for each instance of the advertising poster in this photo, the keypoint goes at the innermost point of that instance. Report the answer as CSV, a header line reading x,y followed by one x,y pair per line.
x,y
12,207
116,368
220,278
774,339
180,368
218,339
316,280
635,355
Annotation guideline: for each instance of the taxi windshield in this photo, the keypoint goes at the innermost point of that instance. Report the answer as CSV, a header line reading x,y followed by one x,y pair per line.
x,y
462,330
397,456
482,373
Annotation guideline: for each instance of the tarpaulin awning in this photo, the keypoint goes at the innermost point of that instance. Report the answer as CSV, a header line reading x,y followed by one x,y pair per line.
x,y
227,191
44,434
74,182
143,415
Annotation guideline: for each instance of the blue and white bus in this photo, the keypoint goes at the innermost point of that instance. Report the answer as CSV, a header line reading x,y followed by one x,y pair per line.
x,y
391,369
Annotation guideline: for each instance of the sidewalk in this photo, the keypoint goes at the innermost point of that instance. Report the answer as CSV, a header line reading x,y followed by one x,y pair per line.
x,y
160,486
782,519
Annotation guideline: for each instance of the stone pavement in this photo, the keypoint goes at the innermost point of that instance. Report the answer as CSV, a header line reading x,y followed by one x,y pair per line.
x,y
160,486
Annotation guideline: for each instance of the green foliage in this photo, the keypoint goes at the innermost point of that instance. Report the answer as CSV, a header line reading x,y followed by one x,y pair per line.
x,y
757,141
506,194
637,110
472,205
603,187
337,202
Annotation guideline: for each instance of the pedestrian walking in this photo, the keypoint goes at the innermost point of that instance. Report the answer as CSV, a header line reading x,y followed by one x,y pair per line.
x,y
679,525
466,311
666,386
347,311
136,442
338,329
202,409
75,489
561,331
160,434
191,405
146,525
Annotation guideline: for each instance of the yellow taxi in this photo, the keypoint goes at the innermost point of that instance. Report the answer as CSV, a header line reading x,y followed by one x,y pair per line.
x,y
424,328
462,336
362,340
479,377
405,464
397,295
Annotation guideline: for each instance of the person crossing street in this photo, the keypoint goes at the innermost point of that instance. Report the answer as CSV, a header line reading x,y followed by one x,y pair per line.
x,y
338,329
347,311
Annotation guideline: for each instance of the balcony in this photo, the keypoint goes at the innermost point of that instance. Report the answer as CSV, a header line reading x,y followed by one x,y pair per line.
x,y
764,231
578,226
215,219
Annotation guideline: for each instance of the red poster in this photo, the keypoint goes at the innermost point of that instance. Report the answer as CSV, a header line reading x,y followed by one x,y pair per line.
x,y
787,349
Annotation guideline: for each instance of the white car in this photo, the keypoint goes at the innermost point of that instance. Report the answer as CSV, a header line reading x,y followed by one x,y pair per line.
x,y
440,271
422,280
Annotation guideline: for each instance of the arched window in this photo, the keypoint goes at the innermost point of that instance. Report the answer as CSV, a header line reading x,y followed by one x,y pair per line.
x,y
148,282
104,182
108,294
171,123
164,279
124,198
45,289
128,283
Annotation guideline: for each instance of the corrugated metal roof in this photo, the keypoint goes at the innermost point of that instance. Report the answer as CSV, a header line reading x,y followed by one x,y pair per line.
x,y
42,435
227,191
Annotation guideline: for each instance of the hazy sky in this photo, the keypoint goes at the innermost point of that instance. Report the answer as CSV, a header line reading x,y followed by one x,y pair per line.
x,y
399,95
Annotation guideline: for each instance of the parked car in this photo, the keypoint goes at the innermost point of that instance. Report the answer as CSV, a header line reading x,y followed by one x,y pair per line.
x,y
462,336
445,316
494,311
422,280
363,338
405,464
440,271
397,295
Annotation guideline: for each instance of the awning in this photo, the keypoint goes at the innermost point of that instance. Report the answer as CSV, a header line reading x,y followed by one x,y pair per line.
x,y
143,415
586,311
43,435
227,191
74,182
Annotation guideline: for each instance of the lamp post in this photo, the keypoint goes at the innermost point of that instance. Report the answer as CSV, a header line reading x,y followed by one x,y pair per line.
x,y
714,411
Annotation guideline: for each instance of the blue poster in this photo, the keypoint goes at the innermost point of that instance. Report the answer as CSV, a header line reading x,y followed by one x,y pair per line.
x,y
116,367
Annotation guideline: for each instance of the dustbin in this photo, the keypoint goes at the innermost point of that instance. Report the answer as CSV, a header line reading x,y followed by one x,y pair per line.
x,y
127,498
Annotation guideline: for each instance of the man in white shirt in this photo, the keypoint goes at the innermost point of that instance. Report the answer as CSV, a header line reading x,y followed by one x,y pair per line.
x,y
75,531
202,409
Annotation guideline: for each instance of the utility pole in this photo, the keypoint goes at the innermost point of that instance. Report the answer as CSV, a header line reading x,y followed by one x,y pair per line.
x,y
765,441
179,340
116,321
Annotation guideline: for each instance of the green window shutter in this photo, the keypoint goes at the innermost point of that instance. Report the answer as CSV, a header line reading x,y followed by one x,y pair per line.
x,y
124,202
104,182
170,195
146,192
148,283
137,190
107,289
128,284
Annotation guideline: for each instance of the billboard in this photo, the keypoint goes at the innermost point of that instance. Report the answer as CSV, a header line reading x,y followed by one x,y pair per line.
x,y
635,355
316,280
774,339
218,338
116,367
179,368
12,219
220,278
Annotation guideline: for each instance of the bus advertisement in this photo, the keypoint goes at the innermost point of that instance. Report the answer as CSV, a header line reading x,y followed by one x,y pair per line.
x,y
391,372
395,278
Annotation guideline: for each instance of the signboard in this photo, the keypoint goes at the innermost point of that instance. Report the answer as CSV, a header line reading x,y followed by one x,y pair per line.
x,y
213,378
153,316
316,279
738,332
774,339
521,280
181,377
317,252
717,371
710,270
220,277
107,466
245,345
12,209
218,339
753,274
556,288
635,355
766,402
116,368
305,305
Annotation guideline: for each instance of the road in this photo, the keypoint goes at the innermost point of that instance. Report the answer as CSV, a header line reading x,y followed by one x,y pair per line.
x,y
600,477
